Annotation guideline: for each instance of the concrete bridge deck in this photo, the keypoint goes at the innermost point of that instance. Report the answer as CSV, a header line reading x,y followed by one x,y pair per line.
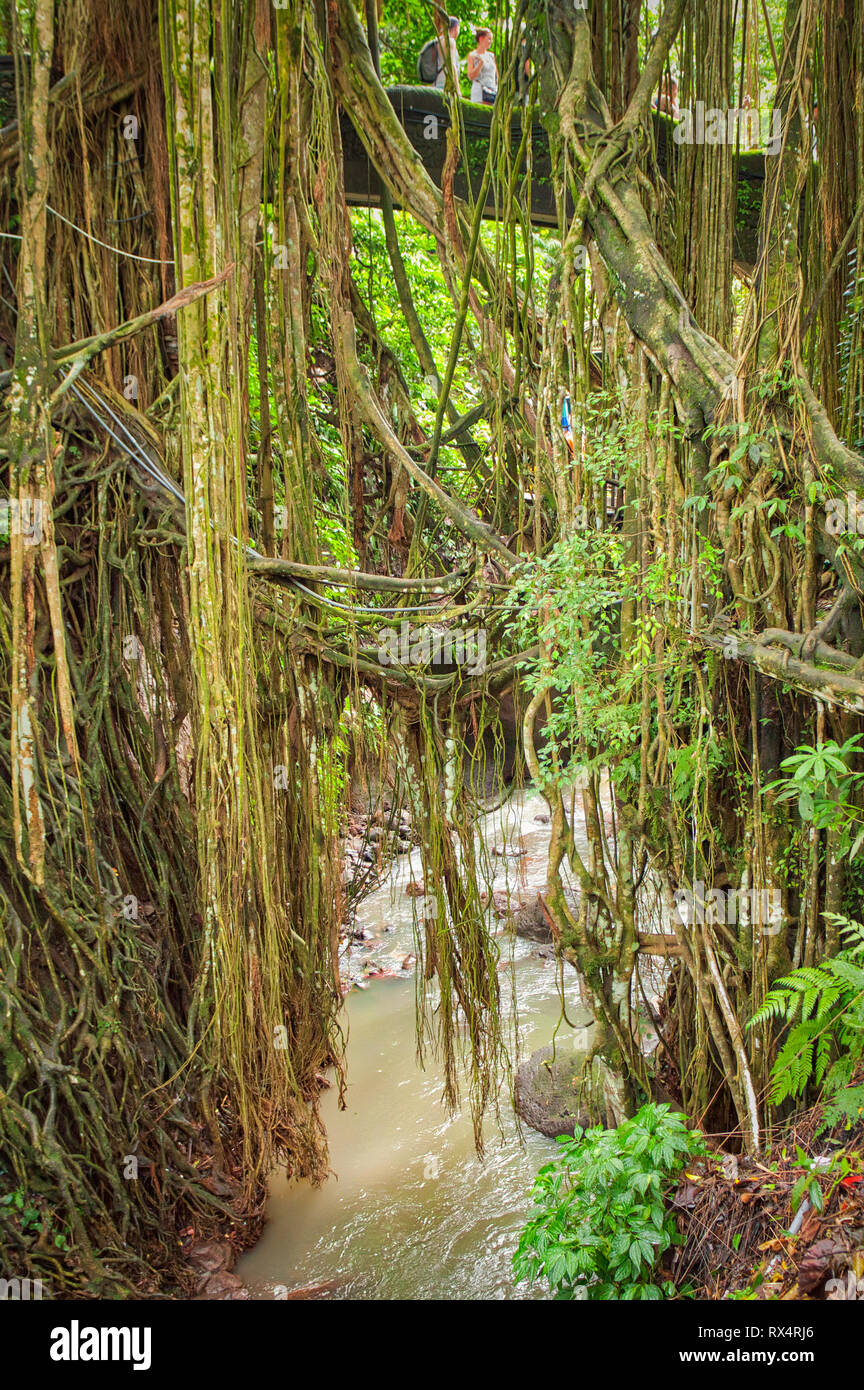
x,y
425,117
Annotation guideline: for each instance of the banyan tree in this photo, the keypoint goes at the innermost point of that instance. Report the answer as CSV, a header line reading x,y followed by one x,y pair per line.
x,y
224,491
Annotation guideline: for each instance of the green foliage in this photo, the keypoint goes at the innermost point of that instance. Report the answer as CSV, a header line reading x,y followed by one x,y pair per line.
x,y
406,25
693,765
569,600
597,617
817,1171
827,1041
35,1221
602,1222
745,449
372,270
403,29
820,780
808,1184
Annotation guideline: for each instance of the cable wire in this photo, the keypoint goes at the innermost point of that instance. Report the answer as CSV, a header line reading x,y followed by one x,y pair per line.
x,y
149,260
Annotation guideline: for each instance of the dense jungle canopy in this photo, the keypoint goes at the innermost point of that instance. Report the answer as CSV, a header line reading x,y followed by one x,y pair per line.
x,y
250,429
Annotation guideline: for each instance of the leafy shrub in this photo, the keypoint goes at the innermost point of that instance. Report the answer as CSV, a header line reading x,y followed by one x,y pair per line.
x,y
603,1222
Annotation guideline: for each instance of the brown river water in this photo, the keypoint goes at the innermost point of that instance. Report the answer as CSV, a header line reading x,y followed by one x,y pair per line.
x,y
410,1211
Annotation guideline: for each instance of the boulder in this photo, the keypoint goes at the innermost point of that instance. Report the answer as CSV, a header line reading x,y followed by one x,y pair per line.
x,y
529,920
221,1287
548,1093
211,1255
529,917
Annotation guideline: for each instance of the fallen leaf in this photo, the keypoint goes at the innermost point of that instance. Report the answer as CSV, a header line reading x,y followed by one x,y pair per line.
x,y
815,1264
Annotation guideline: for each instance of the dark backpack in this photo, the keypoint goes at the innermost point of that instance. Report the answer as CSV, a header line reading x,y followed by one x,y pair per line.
x,y
429,62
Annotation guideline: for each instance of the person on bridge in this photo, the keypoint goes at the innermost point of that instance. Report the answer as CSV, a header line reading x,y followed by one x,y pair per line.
x,y
453,33
482,69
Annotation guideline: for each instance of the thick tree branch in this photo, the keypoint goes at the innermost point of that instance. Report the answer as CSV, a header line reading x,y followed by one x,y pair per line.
x,y
285,570
833,687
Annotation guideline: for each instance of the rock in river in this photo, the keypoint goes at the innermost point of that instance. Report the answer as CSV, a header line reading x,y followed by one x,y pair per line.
x,y
531,921
548,1092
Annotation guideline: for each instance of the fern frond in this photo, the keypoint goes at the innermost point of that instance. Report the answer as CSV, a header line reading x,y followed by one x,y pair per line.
x,y
775,1005
794,1064
851,975
847,1105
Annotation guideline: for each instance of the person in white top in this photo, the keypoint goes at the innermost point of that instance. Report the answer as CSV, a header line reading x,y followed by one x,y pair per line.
x,y
482,70
453,25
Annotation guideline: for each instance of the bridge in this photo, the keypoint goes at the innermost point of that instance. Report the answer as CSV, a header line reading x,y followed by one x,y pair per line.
x,y
424,114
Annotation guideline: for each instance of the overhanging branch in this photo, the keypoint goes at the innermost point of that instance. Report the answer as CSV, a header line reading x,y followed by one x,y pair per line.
x,y
779,664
